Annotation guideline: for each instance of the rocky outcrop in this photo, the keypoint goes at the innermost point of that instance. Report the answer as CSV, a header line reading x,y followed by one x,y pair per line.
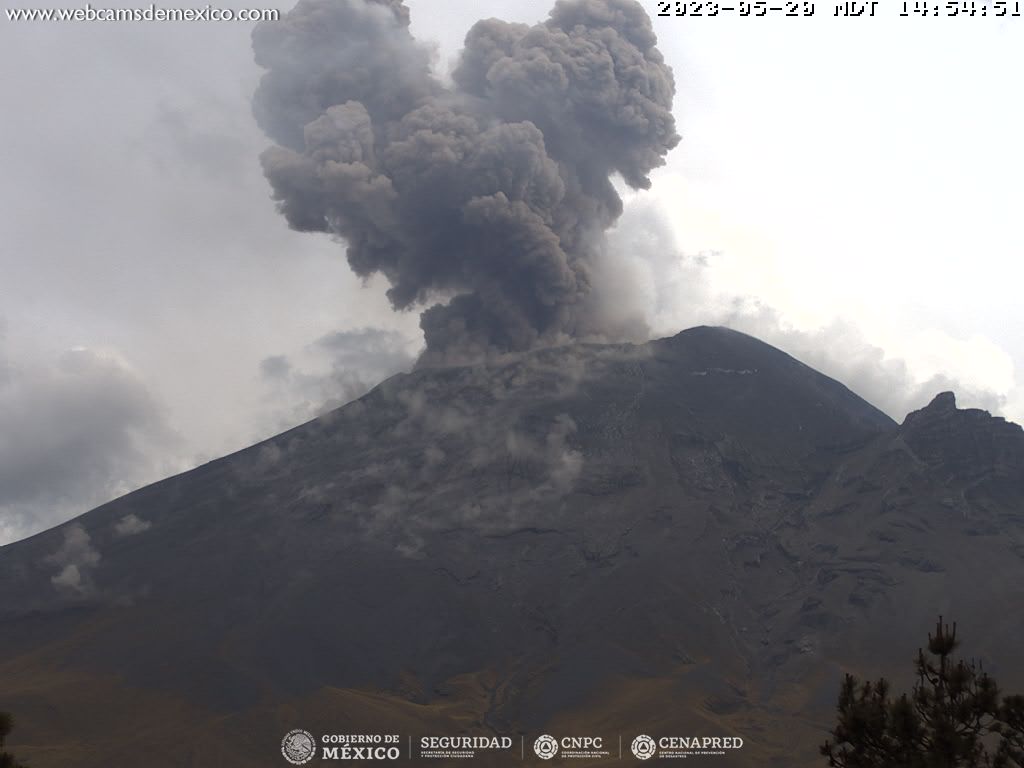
x,y
978,455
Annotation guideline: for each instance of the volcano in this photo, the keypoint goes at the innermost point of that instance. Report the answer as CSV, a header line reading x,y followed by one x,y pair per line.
x,y
694,536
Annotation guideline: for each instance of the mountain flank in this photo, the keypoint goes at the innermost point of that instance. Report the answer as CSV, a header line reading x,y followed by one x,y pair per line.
x,y
697,535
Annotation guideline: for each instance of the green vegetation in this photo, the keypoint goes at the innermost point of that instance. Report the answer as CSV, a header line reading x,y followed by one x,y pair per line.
x,y
955,717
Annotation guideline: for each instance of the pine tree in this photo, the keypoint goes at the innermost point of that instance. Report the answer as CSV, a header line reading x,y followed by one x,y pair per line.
x,y
1010,728
6,758
953,718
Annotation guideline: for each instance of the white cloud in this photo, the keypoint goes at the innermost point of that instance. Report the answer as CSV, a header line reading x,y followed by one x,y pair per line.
x,y
333,370
896,367
75,560
131,524
75,431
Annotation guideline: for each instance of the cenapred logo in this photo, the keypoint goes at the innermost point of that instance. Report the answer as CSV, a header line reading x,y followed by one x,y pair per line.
x,y
298,746
681,747
643,747
546,747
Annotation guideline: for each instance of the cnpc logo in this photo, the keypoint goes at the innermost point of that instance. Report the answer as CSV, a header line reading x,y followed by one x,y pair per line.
x,y
546,747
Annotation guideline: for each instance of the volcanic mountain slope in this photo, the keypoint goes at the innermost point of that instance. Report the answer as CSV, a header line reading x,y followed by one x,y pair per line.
x,y
695,536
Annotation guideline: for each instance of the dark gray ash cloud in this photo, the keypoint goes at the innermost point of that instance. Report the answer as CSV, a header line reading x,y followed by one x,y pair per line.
x,y
486,200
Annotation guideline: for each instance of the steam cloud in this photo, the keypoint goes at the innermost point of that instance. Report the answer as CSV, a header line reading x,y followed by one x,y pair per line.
x,y
494,193
75,560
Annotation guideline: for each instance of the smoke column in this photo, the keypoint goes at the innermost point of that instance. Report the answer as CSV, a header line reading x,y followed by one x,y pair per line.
x,y
487,200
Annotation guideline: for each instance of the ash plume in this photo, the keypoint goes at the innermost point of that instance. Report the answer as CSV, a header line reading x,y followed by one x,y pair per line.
x,y
486,200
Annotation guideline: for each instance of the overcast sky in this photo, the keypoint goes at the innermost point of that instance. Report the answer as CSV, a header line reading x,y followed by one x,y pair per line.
x,y
847,189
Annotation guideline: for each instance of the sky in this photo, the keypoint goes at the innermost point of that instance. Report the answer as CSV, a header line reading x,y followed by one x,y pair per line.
x,y
848,189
